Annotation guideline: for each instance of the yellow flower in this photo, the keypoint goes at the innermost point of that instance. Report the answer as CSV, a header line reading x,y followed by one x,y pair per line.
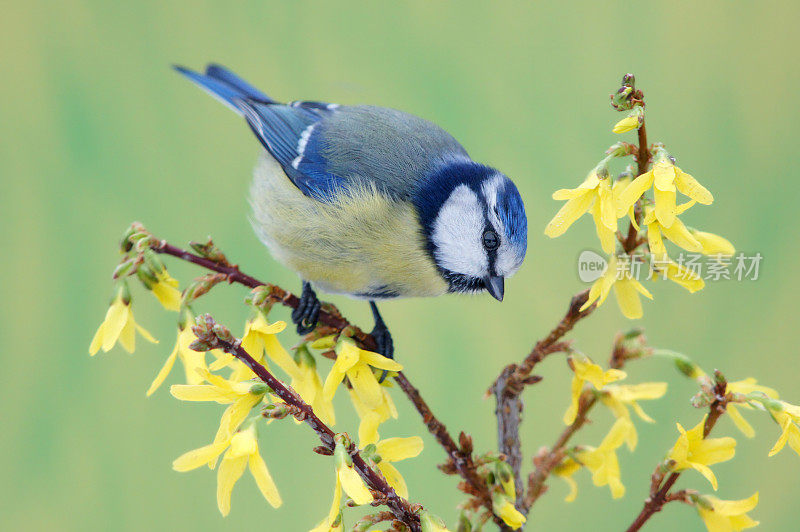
x,y
594,191
260,337
602,461
242,452
619,397
394,450
628,123
348,479
166,291
664,177
504,508
788,417
119,325
727,516
587,371
692,451
309,386
626,290
745,387
194,362
241,396
677,233
357,364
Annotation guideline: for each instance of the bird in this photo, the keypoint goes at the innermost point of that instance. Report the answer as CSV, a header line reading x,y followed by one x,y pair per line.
x,y
372,202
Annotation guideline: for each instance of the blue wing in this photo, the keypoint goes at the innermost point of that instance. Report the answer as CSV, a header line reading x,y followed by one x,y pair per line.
x,y
286,131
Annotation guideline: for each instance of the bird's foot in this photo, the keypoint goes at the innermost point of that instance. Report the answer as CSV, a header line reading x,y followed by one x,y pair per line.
x,y
383,338
306,315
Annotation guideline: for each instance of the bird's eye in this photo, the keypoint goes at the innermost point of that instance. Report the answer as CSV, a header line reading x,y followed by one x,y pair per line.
x,y
490,240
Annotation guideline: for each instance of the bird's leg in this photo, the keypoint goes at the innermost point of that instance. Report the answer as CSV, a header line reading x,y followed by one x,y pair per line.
x,y
382,337
306,314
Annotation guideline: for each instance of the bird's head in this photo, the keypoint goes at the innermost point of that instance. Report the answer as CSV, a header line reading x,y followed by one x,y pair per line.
x,y
475,225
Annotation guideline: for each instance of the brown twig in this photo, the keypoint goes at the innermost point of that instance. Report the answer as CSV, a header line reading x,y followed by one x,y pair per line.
x,y
660,493
215,336
512,380
330,317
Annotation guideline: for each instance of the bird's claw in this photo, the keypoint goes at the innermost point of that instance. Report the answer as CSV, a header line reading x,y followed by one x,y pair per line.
x,y
306,315
383,339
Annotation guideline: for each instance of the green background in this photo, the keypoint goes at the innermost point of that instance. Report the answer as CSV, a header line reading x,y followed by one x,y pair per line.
x,y
98,131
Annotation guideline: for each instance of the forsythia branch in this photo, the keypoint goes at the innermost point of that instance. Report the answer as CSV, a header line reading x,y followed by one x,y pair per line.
x,y
216,336
509,385
460,456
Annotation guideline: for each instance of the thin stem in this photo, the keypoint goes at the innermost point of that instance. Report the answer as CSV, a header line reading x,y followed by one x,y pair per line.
x,y
400,507
631,242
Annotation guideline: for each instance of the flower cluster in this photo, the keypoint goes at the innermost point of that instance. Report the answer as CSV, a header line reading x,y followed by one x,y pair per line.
x,y
250,404
590,380
650,202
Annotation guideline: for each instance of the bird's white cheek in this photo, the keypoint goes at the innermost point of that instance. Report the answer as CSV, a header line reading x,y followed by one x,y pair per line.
x,y
508,262
457,234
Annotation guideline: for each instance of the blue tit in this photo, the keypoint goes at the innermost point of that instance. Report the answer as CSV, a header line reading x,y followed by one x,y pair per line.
x,y
372,202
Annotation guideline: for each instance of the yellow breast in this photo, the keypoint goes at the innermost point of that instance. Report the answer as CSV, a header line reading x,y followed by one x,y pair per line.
x,y
358,244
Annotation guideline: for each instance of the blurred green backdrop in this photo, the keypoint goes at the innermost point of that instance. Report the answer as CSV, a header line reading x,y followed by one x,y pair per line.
x,y
98,131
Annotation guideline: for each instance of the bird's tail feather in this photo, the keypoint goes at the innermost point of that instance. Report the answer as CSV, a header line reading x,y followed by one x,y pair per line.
x,y
225,86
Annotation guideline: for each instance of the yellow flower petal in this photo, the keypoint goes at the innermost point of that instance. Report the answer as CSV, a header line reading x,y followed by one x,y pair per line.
x,y
681,236
201,392
666,210
731,508
396,449
713,244
166,291
263,479
573,489
378,361
354,486
633,192
347,357
162,374
608,238
230,471
97,340
278,354
689,186
626,124
740,422
127,337
655,242
503,508
664,176
394,478
706,472
118,316
198,457
566,216
628,299
365,384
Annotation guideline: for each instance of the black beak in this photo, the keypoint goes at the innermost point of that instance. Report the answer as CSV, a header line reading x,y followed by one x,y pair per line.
x,y
495,286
